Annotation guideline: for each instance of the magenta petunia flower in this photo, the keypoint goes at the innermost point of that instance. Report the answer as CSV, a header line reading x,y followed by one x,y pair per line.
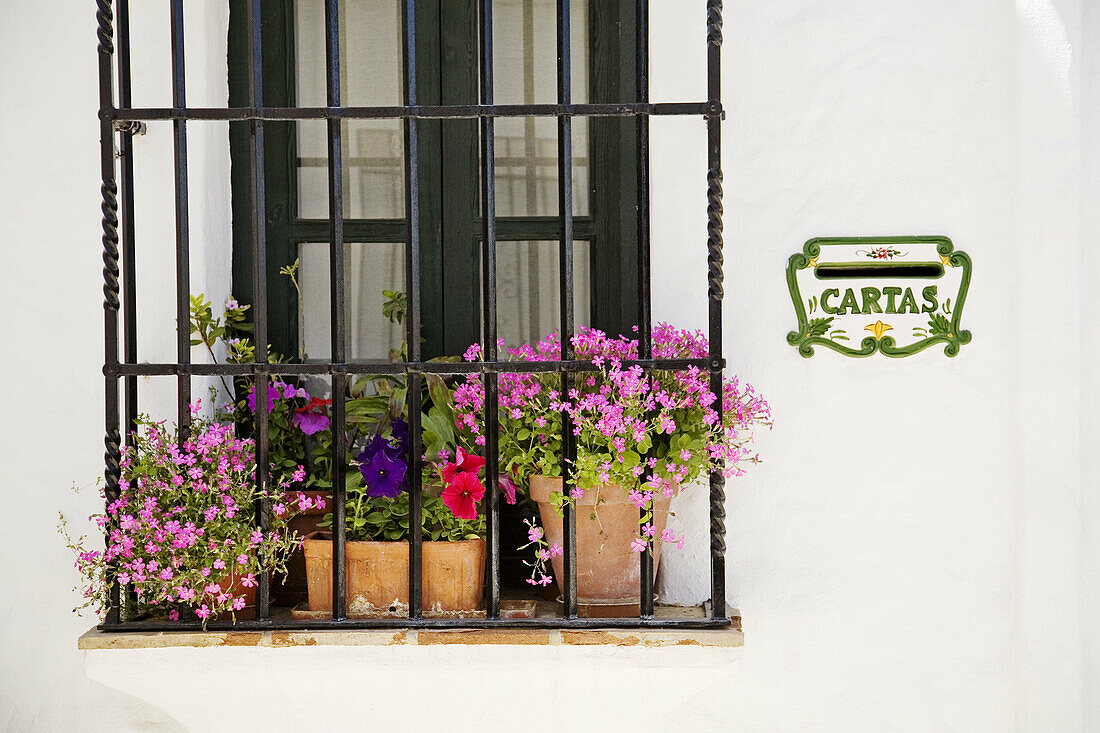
x,y
310,423
508,486
272,395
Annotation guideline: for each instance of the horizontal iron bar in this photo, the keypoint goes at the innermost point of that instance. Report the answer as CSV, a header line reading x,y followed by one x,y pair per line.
x,y
427,623
451,111
465,367
389,231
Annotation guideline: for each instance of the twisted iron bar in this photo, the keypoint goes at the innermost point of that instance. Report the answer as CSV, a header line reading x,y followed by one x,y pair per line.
x,y
714,22
718,516
110,244
112,441
105,16
112,457
715,210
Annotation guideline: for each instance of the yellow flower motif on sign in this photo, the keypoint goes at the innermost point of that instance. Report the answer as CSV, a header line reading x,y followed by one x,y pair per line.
x,y
946,261
878,328
812,263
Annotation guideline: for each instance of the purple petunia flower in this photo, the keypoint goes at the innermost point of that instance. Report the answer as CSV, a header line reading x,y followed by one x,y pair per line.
x,y
383,474
400,431
378,444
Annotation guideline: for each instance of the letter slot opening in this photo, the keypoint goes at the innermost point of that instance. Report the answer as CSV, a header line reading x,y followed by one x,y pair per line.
x,y
837,271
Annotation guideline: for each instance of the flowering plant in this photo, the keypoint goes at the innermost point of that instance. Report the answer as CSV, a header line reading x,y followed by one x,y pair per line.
x,y
181,531
298,422
377,497
377,440
645,433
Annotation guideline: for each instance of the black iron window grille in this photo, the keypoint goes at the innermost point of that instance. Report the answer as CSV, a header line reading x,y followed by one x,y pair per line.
x,y
119,248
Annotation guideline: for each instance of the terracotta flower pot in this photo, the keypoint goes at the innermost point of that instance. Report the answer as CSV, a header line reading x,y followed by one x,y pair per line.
x,y
608,570
248,613
453,575
290,589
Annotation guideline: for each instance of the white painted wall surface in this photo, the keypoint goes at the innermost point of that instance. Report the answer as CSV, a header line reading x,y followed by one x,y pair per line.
x,y
918,552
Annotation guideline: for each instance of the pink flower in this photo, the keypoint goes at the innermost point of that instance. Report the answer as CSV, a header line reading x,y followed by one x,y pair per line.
x,y
638,544
219,564
202,612
173,615
312,419
242,559
508,486
577,493
249,581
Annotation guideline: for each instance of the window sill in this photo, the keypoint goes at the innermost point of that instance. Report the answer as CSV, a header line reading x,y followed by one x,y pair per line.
x,y
94,639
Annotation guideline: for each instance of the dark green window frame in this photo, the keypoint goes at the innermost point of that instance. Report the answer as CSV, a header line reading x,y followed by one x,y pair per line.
x,y
449,222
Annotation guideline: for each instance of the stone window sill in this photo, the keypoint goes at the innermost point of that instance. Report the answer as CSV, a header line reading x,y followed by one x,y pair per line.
x,y
733,636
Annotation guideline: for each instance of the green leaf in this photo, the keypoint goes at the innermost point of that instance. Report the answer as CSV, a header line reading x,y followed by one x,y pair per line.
x,y
818,326
438,391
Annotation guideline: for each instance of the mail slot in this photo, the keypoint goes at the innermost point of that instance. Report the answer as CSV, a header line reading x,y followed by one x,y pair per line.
x,y
836,271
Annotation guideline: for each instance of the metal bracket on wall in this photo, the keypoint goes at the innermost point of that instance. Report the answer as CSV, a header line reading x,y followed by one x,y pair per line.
x,y
133,127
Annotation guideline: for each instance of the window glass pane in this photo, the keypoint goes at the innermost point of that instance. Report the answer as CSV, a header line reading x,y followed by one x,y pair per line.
x,y
528,289
527,166
368,270
525,72
371,69
525,51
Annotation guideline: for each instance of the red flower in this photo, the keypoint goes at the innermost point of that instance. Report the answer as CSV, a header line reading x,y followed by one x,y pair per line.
x,y
467,463
314,404
462,495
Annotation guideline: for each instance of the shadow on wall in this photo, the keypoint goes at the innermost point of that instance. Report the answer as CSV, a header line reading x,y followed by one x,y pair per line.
x,y
136,714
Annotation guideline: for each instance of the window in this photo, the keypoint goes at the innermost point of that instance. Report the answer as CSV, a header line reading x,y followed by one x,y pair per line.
x,y
604,170
454,184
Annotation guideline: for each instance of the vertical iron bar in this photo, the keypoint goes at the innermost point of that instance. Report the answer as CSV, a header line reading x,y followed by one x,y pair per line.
x,y
183,257
336,285
109,192
565,272
129,263
259,288
489,312
715,292
645,326
412,316
126,191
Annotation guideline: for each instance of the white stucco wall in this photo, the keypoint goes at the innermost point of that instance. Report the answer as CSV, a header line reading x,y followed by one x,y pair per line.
x,y
918,552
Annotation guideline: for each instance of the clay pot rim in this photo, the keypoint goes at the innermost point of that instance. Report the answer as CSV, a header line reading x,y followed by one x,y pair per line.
x,y
325,538
541,486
